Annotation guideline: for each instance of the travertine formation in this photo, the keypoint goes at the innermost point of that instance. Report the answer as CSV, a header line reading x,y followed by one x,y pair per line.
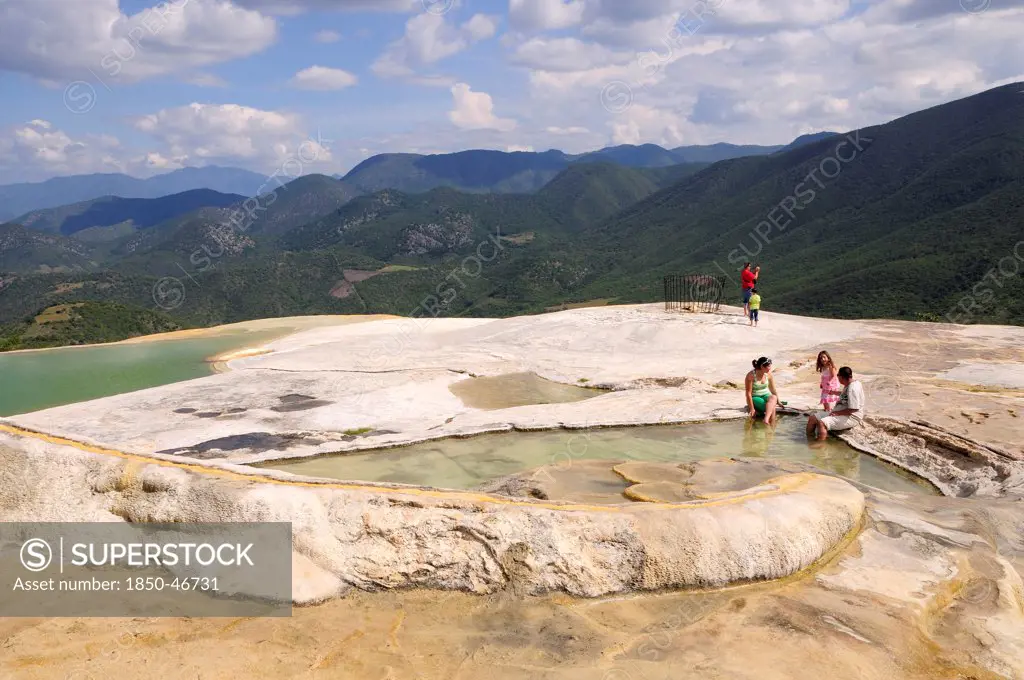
x,y
854,582
376,537
958,466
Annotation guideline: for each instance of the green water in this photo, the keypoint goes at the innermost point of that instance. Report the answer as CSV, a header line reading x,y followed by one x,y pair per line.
x,y
466,463
30,381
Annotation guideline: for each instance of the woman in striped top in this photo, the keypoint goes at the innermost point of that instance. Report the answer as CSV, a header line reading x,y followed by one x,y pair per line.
x,y
762,399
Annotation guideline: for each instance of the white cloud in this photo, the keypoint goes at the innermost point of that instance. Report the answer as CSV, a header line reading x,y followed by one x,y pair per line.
x,y
642,10
85,37
768,75
37,150
327,36
544,15
768,13
559,85
428,39
660,32
475,111
156,162
515,147
648,23
323,78
565,54
910,11
200,134
644,124
291,7
754,72
480,27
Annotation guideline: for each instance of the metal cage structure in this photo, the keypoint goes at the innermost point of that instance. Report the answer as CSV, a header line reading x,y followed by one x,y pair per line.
x,y
694,292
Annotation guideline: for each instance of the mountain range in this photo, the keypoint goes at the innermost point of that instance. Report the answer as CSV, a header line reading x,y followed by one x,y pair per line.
x,y
528,171
474,170
113,211
19,199
900,220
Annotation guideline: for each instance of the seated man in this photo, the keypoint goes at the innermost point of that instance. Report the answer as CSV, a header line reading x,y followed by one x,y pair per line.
x,y
848,411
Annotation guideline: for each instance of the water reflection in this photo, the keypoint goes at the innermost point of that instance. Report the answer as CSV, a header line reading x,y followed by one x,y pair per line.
x,y
844,462
466,463
757,437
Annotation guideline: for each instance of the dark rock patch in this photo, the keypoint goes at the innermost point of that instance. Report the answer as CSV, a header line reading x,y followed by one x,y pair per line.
x,y
300,406
252,442
292,398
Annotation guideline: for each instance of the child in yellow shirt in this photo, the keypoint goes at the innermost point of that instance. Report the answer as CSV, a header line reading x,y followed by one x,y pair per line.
x,y
755,306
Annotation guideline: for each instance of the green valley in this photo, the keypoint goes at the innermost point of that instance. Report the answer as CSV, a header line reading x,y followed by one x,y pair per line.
x,y
900,220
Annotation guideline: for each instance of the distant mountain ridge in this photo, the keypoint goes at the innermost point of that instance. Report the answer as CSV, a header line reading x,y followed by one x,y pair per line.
x,y
635,156
19,199
474,170
483,170
232,229
109,211
813,138
908,219
391,224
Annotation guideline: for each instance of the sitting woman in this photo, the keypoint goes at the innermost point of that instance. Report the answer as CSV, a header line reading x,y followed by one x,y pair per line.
x,y
830,387
762,399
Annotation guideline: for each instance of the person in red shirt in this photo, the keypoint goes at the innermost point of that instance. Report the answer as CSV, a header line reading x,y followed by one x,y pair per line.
x,y
747,280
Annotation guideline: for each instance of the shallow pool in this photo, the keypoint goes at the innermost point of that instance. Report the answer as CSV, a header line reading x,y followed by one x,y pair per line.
x,y
518,389
53,377
467,463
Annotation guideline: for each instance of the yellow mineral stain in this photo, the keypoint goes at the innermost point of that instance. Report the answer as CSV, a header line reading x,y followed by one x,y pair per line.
x,y
157,639
332,656
234,624
393,633
129,475
30,661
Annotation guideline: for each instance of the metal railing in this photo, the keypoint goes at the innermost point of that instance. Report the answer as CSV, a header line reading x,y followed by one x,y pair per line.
x,y
694,292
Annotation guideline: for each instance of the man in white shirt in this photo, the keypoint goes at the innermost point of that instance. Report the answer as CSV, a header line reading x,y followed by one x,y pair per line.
x,y
848,412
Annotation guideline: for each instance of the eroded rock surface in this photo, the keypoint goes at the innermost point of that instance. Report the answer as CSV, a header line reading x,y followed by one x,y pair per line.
x,y
955,464
375,537
846,581
929,588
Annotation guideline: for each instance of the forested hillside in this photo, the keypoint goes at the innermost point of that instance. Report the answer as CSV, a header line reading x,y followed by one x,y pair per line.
x,y
902,220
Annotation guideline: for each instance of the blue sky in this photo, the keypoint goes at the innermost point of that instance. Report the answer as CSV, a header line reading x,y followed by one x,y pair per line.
x,y
228,82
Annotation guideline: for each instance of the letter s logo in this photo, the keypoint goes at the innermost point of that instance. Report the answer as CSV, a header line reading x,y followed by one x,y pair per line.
x,y
79,97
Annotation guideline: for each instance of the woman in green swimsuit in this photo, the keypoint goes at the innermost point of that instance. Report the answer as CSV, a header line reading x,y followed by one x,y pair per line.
x,y
762,399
